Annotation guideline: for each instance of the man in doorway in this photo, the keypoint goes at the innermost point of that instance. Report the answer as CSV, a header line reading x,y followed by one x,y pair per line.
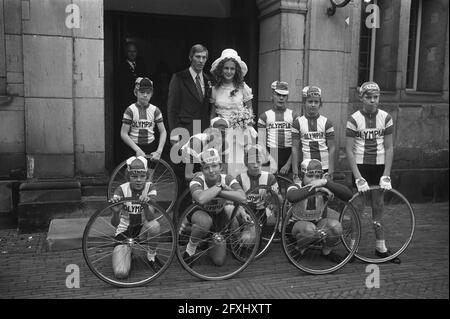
x,y
130,69
188,100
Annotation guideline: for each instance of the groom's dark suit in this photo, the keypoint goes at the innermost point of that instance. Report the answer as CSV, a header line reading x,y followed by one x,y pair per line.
x,y
184,104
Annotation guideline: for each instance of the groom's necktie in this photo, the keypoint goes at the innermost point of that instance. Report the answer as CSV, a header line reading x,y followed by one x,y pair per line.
x,y
199,86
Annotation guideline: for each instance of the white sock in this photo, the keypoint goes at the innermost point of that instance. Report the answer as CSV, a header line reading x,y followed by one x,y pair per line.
x,y
381,246
191,247
352,243
151,255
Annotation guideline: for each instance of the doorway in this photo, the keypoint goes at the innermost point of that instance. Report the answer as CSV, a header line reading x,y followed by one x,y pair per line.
x,y
163,43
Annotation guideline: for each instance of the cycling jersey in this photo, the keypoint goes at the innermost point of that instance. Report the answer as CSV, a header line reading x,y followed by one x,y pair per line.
x,y
142,122
368,131
248,183
215,205
131,214
278,127
313,134
309,209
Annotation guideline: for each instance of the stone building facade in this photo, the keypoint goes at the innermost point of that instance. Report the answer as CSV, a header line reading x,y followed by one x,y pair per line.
x,y
55,107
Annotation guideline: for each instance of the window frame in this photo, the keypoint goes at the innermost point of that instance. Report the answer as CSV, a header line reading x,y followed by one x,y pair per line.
x,y
417,51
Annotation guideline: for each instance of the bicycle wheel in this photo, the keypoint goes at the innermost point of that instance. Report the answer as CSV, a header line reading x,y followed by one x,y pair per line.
x,y
161,175
237,248
392,220
100,242
283,185
265,203
316,225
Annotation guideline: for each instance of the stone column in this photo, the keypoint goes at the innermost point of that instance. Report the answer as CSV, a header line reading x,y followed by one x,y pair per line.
x,y
12,127
281,49
63,86
328,60
89,102
301,44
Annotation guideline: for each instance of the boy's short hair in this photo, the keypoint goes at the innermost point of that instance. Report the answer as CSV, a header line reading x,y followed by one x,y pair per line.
x,y
210,156
255,153
311,91
311,165
280,87
137,164
368,87
143,84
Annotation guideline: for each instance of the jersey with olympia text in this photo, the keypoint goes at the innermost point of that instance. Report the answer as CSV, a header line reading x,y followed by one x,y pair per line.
x,y
142,122
310,209
313,134
278,127
216,205
132,211
368,131
249,183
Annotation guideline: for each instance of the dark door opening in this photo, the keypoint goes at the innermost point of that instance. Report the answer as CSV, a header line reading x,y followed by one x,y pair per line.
x,y
163,44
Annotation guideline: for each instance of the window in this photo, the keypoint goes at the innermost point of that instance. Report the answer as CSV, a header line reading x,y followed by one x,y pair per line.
x,y
413,44
433,36
366,54
379,44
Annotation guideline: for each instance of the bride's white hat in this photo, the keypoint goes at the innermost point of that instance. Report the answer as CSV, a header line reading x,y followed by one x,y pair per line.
x,y
230,53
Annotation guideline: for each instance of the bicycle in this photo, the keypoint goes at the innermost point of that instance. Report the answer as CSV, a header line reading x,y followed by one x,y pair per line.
x,y
240,250
185,199
304,248
100,239
162,177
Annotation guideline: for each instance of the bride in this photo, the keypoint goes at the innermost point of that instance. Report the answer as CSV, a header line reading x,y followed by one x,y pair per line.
x,y
231,99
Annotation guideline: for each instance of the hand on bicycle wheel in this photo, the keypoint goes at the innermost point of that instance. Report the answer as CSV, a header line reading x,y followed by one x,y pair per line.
x,y
115,199
144,198
155,155
385,183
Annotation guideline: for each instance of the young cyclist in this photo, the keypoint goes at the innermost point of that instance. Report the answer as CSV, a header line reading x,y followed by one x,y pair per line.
x,y
211,190
212,137
315,133
254,177
369,150
311,218
276,125
139,121
133,219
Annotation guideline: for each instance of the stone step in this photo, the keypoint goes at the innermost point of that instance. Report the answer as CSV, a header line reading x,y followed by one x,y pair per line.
x,y
65,234
36,216
99,190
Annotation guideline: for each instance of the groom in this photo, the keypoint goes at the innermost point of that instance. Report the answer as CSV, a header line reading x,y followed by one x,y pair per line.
x,y
188,99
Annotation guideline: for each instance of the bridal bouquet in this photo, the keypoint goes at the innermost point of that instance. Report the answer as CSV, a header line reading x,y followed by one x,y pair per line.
x,y
242,118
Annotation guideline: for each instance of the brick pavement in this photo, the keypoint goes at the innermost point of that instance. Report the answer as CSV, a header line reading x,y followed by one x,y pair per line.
x,y
28,271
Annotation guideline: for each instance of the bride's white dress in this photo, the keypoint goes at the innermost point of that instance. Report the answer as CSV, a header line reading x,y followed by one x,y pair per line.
x,y
235,139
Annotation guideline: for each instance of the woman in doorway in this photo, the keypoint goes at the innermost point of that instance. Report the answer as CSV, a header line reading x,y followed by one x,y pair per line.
x,y
231,99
